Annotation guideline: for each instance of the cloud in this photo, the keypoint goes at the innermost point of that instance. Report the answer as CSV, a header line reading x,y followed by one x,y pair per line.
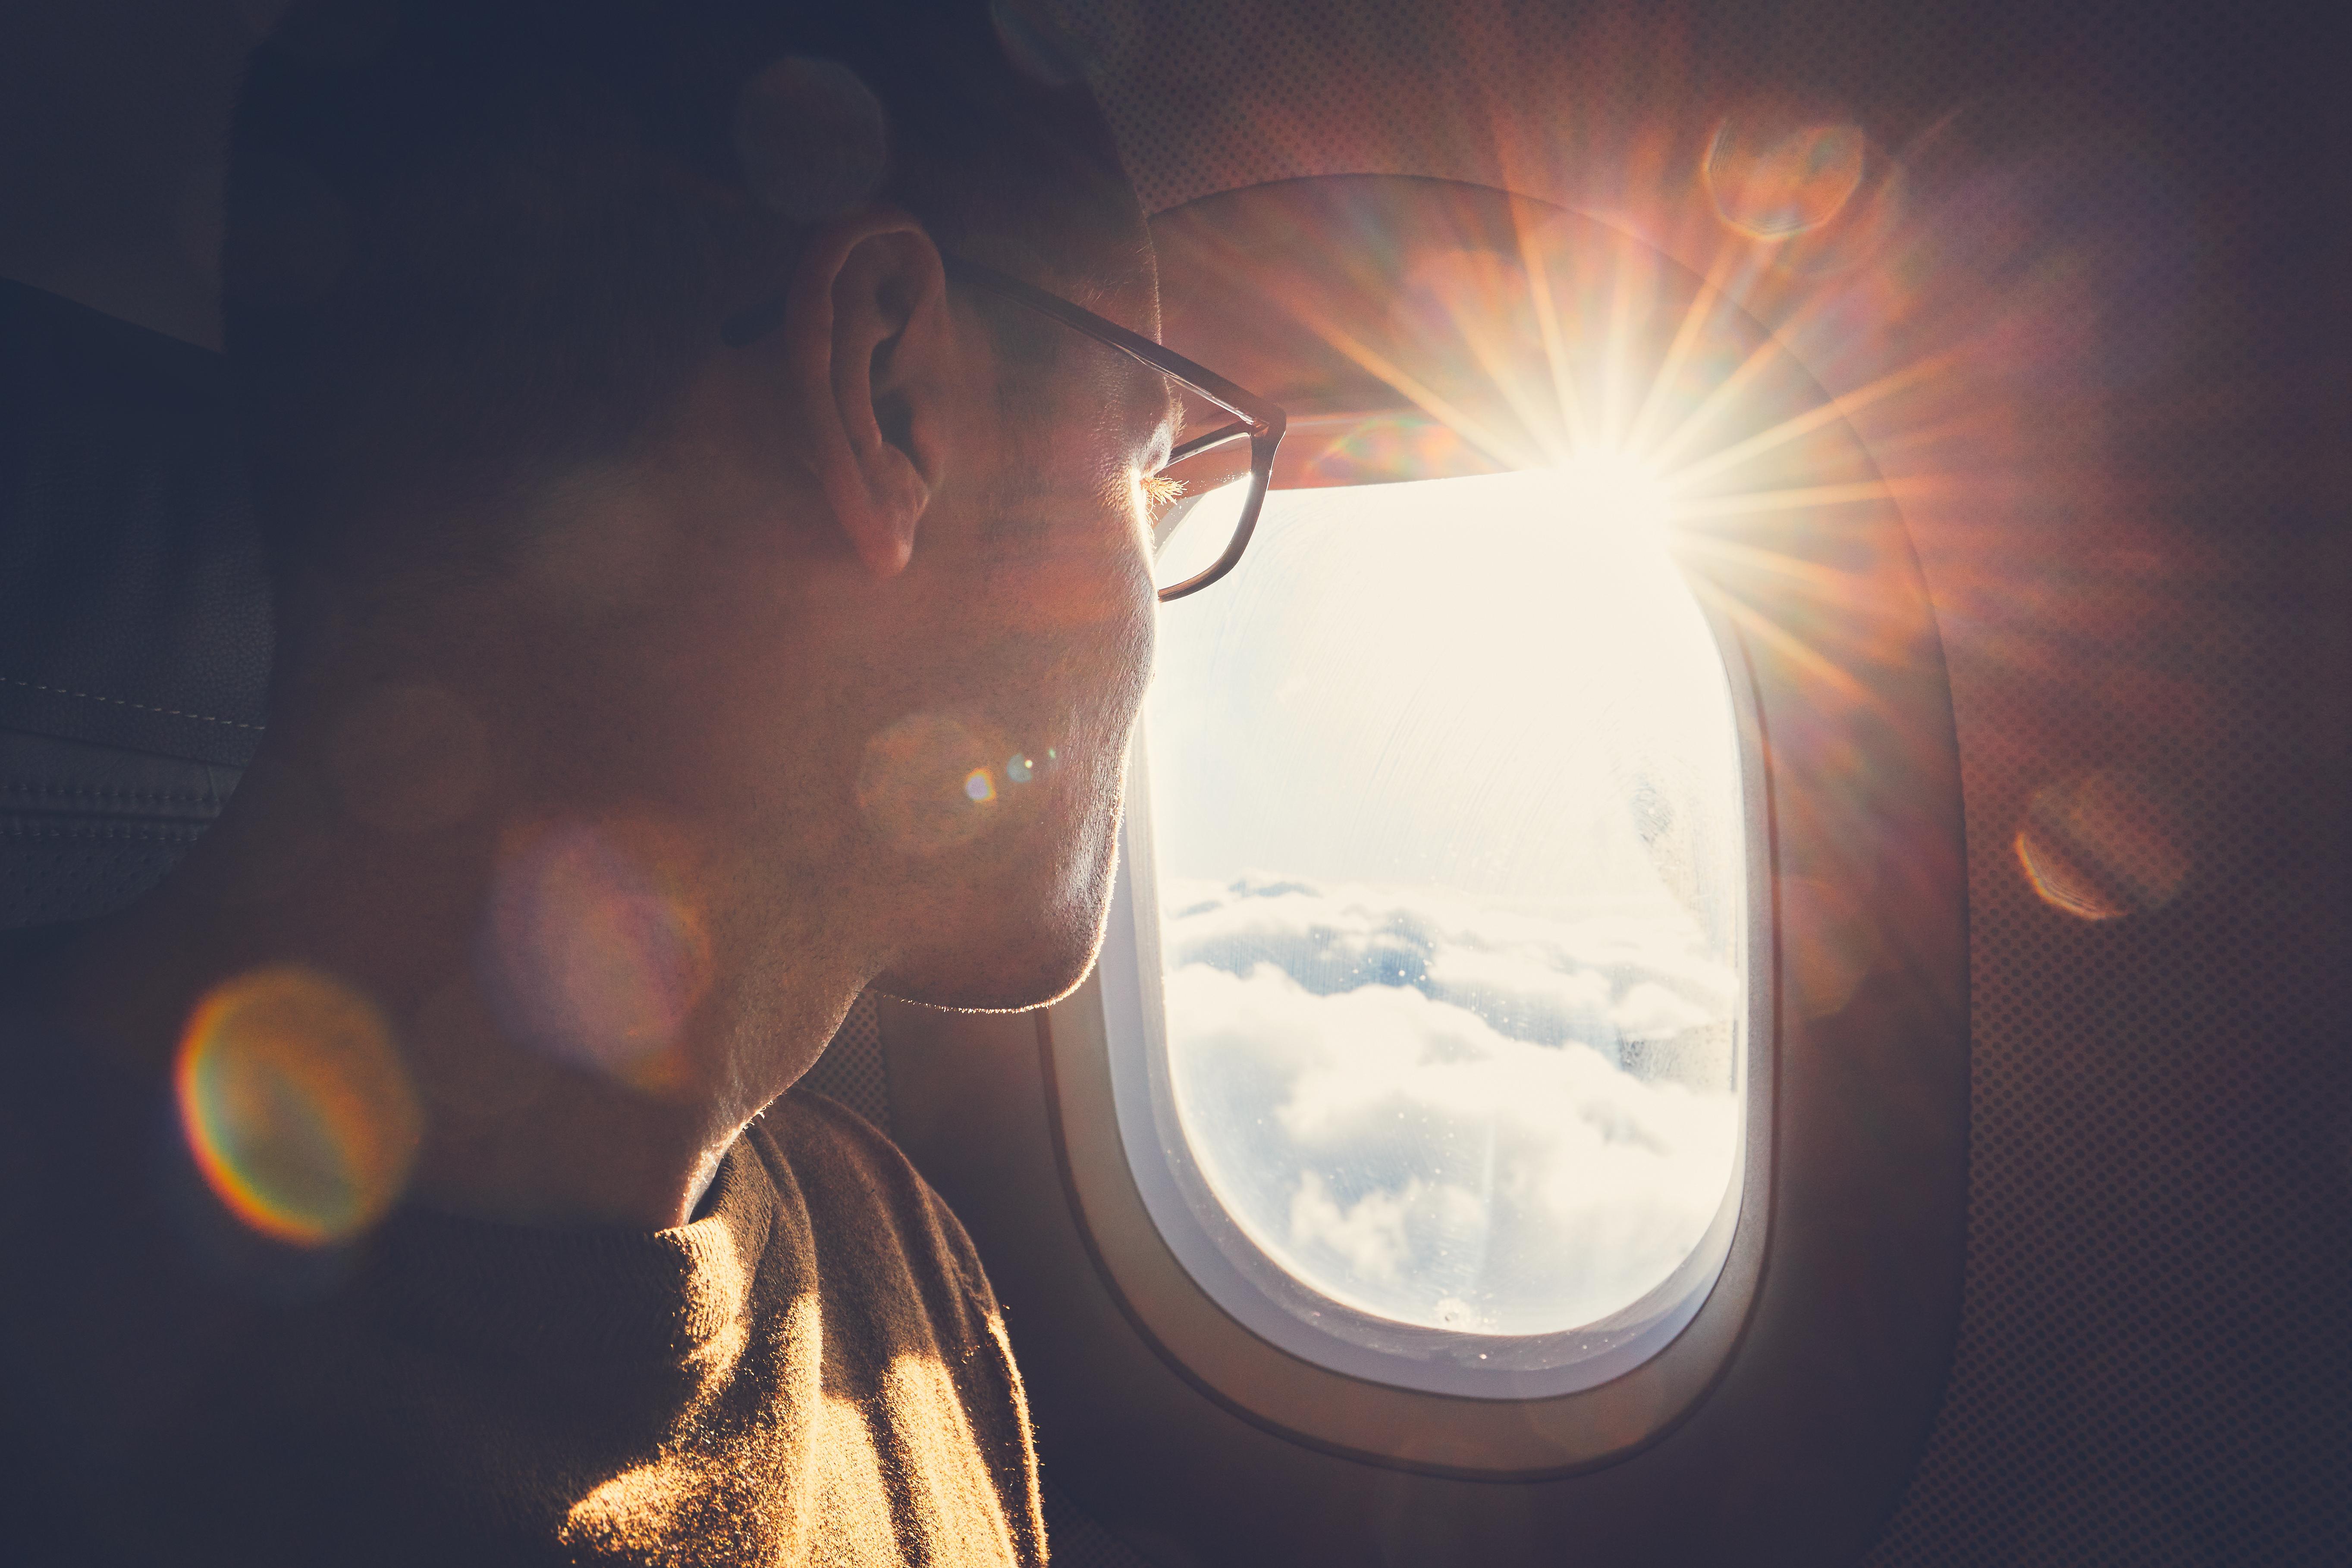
x,y
1600,978
1504,1119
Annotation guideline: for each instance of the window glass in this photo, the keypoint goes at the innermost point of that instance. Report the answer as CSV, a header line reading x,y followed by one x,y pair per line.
x,y
1445,837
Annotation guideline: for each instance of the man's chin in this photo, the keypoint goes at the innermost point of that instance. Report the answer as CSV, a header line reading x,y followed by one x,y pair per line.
x,y
1011,967
993,963
1002,984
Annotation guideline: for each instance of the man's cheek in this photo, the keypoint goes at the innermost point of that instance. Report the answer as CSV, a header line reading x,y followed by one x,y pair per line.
x,y
1068,583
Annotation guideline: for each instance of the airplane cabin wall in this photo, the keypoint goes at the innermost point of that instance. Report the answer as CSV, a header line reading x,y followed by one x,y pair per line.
x,y
2125,250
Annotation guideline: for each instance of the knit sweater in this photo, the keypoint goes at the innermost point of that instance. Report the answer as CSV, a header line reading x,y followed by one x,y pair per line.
x,y
813,1370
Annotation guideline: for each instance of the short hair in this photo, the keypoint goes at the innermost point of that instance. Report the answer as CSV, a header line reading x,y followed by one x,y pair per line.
x,y
473,240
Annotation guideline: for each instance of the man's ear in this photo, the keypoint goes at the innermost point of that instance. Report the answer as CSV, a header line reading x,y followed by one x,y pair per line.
x,y
871,350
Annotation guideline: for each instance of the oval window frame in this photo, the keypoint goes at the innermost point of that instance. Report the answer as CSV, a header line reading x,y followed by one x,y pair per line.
x,y
1254,1289
1243,1348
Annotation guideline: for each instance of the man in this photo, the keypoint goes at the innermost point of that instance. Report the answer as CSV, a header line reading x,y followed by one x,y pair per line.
x,y
695,609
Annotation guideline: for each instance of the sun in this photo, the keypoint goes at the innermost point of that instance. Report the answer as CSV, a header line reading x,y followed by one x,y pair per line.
x,y
1616,491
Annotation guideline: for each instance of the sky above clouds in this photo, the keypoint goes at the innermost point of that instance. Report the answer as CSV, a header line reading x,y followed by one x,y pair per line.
x,y
1443,789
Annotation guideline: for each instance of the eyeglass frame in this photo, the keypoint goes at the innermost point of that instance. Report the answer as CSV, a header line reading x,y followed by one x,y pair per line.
x,y
1262,421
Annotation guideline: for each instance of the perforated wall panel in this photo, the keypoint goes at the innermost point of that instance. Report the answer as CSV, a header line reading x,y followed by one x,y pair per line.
x,y
852,1069
2151,1366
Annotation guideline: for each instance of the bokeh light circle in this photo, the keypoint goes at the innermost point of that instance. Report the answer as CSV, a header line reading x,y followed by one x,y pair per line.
x,y
296,1104
924,784
596,950
2103,845
1773,175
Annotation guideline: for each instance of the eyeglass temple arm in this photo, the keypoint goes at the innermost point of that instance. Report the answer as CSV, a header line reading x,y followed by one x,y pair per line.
x,y
1262,421
1261,416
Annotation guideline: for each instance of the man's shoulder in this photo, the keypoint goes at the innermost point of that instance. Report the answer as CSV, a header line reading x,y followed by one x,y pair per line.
x,y
804,1124
912,1334
865,1197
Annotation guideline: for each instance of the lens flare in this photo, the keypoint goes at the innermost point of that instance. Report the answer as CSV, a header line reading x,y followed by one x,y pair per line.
x,y
923,780
2103,846
296,1104
596,951
1371,448
1771,178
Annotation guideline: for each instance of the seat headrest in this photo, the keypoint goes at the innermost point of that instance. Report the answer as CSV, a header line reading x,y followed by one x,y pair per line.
x,y
134,610
135,629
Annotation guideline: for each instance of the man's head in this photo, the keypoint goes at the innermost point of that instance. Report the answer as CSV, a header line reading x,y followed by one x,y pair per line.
x,y
645,504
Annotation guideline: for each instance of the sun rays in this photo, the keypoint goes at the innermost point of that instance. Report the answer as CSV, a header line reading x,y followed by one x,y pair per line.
x,y
1792,382
1623,357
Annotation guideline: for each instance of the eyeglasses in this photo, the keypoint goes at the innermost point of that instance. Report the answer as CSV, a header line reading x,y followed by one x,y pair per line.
x,y
1261,421
1255,418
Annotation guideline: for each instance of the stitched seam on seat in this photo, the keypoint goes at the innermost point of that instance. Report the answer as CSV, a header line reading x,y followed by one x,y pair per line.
x,y
125,702
37,787
157,835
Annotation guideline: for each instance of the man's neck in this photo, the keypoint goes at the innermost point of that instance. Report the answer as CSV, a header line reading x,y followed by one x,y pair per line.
x,y
512,1129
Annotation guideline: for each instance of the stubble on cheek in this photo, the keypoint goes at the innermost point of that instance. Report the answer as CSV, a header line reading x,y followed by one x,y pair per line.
x,y
925,783
1061,565
1065,594
999,798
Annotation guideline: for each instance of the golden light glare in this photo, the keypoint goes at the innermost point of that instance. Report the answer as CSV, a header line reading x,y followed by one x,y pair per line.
x,y
1155,492
296,1104
1153,500
1661,374
1617,491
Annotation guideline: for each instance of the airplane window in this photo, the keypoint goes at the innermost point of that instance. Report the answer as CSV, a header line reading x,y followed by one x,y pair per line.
x,y
1440,844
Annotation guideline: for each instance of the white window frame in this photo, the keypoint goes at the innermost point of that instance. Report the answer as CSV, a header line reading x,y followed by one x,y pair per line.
x,y
1602,1388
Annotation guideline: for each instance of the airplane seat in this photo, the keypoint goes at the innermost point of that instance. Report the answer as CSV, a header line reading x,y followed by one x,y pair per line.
x,y
134,614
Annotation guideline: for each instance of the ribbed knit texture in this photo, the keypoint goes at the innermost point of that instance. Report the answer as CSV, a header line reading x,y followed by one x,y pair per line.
x,y
814,1370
